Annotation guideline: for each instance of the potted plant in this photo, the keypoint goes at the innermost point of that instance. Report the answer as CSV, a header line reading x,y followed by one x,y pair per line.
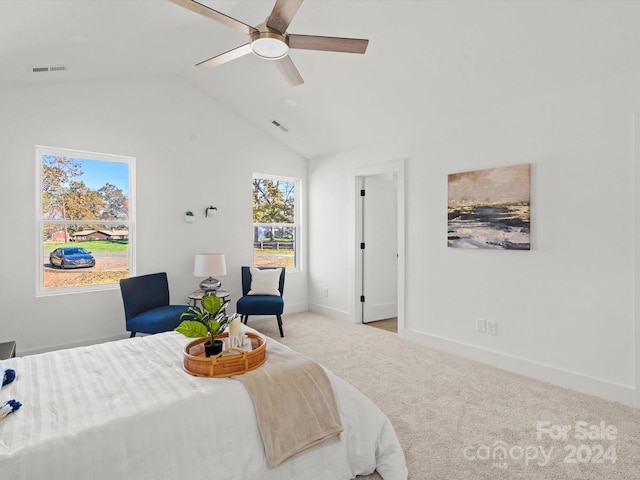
x,y
210,320
188,217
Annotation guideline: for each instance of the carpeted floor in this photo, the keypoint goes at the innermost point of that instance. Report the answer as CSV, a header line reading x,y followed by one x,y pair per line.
x,y
458,419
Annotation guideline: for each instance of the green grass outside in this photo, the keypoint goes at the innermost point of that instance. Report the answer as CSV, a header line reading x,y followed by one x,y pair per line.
x,y
104,246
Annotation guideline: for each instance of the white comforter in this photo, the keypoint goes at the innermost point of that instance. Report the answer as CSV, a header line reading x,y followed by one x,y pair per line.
x,y
127,410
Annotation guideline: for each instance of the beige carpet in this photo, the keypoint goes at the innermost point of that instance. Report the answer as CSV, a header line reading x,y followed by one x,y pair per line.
x,y
455,418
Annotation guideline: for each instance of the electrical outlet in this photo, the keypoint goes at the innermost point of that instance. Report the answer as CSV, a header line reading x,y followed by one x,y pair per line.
x,y
325,292
492,327
481,325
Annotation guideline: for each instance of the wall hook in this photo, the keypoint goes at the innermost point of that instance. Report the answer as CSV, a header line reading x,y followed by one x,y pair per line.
x,y
206,211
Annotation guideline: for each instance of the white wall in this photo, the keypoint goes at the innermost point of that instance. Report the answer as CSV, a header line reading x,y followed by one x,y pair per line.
x,y
565,309
191,153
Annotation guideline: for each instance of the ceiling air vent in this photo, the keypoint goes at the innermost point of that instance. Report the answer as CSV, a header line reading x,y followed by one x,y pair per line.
x,y
280,126
53,68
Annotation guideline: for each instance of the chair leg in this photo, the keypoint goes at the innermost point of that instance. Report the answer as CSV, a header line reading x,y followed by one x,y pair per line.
x,y
133,334
280,325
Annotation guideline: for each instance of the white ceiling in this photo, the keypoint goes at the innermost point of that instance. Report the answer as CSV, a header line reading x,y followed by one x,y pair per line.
x,y
427,60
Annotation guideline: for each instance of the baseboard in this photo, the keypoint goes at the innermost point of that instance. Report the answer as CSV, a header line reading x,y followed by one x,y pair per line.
x,y
295,308
331,312
84,343
546,373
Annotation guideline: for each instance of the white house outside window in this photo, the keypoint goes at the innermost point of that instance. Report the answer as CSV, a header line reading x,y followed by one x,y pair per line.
x,y
86,220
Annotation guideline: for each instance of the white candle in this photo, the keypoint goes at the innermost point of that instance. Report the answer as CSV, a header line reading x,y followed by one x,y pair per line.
x,y
235,326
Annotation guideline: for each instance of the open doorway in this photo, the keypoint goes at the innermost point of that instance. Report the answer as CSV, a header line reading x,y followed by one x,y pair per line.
x,y
380,246
379,234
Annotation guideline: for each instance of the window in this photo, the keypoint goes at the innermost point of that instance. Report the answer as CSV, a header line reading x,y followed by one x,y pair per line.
x,y
85,217
275,221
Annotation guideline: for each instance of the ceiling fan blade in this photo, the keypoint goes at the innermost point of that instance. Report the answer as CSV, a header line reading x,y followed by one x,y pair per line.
x,y
226,57
282,14
215,15
289,70
328,44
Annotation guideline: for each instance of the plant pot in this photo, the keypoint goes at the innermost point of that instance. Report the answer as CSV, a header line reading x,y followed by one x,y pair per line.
x,y
213,350
189,218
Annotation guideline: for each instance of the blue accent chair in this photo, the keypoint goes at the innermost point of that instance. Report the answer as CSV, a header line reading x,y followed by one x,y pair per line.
x,y
146,304
260,304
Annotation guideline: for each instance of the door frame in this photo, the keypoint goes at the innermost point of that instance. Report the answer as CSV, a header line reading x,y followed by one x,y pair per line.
x,y
635,119
396,167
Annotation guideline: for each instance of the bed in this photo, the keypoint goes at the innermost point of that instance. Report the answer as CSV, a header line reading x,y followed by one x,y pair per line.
x,y
128,410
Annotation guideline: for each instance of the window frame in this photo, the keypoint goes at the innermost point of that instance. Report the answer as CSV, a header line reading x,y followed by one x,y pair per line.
x,y
130,222
297,219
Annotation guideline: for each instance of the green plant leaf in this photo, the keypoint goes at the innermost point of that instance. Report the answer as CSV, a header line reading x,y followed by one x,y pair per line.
x,y
214,327
191,313
211,303
192,329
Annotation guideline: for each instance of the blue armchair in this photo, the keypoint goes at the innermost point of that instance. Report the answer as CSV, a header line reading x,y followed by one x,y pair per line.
x,y
261,304
146,304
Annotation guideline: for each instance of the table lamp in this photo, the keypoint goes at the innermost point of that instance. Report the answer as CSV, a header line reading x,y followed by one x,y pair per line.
x,y
209,264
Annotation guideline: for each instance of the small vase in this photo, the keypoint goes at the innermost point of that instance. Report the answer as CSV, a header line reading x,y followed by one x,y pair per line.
x,y
213,350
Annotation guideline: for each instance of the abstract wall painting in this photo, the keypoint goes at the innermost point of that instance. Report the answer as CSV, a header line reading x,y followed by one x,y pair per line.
x,y
490,208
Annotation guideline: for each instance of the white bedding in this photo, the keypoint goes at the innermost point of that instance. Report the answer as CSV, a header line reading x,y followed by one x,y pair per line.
x,y
127,410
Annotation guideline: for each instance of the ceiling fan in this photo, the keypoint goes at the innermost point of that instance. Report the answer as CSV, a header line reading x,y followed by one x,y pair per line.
x,y
270,39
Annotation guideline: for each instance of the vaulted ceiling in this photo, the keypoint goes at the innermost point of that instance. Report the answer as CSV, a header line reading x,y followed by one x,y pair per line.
x,y
426,60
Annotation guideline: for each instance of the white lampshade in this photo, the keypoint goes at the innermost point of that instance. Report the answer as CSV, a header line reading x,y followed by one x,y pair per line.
x,y
209,264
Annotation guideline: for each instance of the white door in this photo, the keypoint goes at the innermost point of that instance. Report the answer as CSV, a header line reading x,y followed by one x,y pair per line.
x,y
380,254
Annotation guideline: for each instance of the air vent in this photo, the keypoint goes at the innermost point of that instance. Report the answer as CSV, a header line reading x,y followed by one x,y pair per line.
x,y
53,68
280,126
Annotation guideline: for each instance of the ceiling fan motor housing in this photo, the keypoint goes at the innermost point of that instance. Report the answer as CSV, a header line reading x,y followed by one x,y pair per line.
x,y
269,43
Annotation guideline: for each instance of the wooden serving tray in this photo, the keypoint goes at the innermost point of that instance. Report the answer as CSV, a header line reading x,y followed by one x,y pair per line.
x,y
223,364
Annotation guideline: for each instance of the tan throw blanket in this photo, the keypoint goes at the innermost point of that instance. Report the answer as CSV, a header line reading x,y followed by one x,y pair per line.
x,y
295,403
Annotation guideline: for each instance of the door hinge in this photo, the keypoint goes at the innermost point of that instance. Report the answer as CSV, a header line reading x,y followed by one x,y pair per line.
x,y
362,246
362,193
362,298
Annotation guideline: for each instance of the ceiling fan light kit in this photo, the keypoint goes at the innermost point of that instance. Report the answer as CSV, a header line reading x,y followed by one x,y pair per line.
x,y
270,39
270,45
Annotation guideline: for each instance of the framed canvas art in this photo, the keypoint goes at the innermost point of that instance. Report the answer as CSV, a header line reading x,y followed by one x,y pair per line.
x,y
490,208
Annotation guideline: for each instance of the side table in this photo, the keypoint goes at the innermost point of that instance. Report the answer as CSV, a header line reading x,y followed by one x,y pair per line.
x,y
198,294
7,350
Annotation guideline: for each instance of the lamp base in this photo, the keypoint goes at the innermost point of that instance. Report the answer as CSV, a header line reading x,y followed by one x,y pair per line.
x,y
210,284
